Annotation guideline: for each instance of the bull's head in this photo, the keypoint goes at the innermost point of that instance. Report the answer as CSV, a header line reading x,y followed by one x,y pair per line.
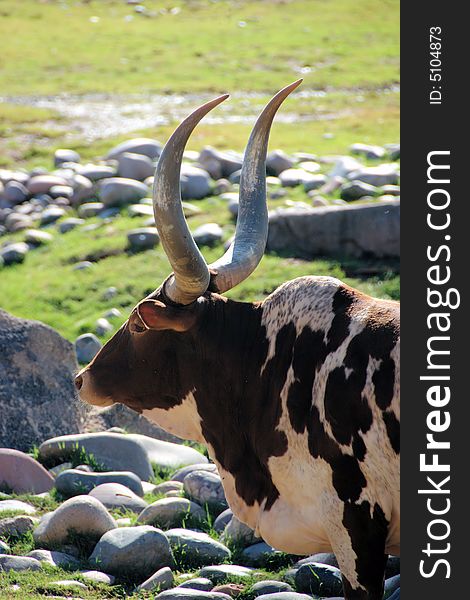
x,y
143,365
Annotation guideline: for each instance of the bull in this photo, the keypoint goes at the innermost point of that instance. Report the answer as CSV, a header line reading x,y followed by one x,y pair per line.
x,y
296,397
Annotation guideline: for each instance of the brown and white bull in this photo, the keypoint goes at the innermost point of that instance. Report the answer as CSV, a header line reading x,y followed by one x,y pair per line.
x,y
296,397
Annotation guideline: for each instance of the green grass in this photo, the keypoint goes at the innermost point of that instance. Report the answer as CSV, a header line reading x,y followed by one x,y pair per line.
x,y
71,300
340,43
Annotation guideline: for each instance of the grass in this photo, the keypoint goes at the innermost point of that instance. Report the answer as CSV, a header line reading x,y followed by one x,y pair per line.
x,y
206,46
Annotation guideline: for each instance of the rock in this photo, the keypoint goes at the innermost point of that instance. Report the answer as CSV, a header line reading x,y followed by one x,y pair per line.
x,y
83,189
171,512
392,567
82,266
295,177
386,174
393,151
114,452
133,552
12,527
16,505
143,238
235,177
51,214
195,548
180,474
233,206
316,182
140,210
318,200
222,520
145,146
195,183
221,573
208,234
325,558
41,184
258,555
98,577
219,164
205,487
73,482
277,161
167,486
317,578
221,186
21,474
96,172
311,166
37,237
163,579
37,367
391,585
118,496
371,230
168,455
367,150
89,209
270,587
231,589
68,583
4,548
87,346
55,558
117,191
14,253
112,313
17,222
390,190
179,593
135,166
18,563
68,224
82,515
345,165
354,190
15,193
285,596
63,155
198,583
238,533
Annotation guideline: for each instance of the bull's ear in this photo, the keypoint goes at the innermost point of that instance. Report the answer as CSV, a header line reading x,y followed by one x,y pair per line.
x,y
157,315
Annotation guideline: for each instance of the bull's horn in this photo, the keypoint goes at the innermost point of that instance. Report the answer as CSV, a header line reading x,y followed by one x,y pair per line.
x,y
190,277
251,234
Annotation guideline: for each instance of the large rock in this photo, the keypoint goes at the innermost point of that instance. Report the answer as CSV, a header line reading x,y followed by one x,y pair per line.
x,y
41,184
221,573
21,474
238,533
133,552
119,191
259,555
135,166
208,234
219,164
180,593
18,563
119,497
16,506
317,578
12,527
87,346
195,183
143,238
14,253
195,549
82,515
65,155
168,455
180,474
205,487
171,512
145,146
73,482
163,579
386,174
358,231
277,161
113,451
55,558
37,394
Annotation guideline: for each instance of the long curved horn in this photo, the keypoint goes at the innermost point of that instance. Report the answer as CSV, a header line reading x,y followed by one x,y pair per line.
x,y
251,233
190,277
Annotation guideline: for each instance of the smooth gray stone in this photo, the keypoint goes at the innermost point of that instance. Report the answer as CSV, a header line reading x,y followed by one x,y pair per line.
x,y
325,558
222,573
68,224
65,155
135,166
317,578
119,497
74,482
55,558
198,583
222,520
52,214
195,183
143,238
386,174
145,146
368,150
167,454
205,487
8,562
14,253
270,587
180,593
171,512
196,548
133,552
83,515
14,527
258,555
355,190
113,451
163,579
278,161
284,596
208,234
119,191
87,347
180,474
98,577
18,505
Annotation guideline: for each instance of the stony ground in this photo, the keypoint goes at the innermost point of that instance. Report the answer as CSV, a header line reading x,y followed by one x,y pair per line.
x,y
116,515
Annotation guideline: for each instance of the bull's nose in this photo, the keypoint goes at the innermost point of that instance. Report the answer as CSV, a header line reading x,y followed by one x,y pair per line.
x,y
78,382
